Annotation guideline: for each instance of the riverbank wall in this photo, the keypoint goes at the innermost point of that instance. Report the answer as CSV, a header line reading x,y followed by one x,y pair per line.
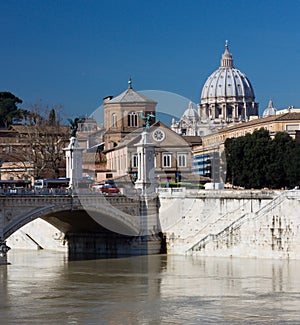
x,y
227,223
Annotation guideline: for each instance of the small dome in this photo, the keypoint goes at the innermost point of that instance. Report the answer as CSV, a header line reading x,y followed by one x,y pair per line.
x,y
270,110
190,114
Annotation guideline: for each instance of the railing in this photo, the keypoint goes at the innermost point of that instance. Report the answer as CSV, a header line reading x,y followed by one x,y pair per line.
x,y
183,191
52,192
34,192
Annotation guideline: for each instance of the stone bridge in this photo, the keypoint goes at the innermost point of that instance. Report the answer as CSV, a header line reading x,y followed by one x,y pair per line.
x,y
223,223
91,222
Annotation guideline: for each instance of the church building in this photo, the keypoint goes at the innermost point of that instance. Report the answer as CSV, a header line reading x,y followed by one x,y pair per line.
x,y
123,115
227,97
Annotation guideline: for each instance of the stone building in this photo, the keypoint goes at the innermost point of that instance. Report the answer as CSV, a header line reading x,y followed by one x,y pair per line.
x,y
89,133
173,154
122,114
208,157
125,117
190,123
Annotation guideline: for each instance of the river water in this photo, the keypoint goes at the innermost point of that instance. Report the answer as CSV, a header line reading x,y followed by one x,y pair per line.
x,y
42,287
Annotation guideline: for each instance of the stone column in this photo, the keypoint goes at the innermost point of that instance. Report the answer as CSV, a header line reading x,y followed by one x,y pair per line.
x,y
146,171
146,185
73,155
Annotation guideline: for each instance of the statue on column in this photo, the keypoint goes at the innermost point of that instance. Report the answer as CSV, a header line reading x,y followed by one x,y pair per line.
x,y
73,155
74,126
147,119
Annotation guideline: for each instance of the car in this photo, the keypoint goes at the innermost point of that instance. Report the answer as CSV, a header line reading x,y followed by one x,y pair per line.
x,y
109,189
96,187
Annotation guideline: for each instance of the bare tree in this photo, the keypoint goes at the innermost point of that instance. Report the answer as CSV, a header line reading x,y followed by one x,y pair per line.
x,y
40,141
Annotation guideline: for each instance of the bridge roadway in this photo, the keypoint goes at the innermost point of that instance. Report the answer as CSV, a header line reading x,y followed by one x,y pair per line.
x,y
87,214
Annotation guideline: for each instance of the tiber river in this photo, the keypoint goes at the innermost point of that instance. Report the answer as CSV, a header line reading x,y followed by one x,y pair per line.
x,y
41,287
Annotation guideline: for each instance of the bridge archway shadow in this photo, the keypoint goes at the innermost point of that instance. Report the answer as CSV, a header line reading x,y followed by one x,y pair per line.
x,y
88,239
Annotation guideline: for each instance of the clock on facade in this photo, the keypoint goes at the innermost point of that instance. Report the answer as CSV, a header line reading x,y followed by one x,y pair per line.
x,y
158,135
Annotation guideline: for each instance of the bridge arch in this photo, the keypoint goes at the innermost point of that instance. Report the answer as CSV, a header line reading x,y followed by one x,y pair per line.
x,y
73,216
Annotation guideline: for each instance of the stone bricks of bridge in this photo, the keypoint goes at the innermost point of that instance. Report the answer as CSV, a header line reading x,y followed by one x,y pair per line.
x,y
126,215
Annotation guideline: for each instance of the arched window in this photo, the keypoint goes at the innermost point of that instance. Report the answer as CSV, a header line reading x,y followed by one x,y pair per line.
x,y
132,119
166,159
114,120
134,160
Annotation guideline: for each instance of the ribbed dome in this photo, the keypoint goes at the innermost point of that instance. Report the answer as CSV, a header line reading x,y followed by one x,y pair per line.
x,y
270,110
227,95
190,114
227,83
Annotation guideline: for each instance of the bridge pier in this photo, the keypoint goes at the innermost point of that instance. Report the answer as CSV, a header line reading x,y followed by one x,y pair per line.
x,y
107,243
3,247
111,245
3,252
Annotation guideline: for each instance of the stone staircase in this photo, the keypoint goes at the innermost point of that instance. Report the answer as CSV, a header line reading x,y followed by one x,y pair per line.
x,y
226,224
216,225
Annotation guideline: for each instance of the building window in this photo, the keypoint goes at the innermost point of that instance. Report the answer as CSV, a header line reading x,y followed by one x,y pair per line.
x,y
134,161
181,159
292,127
132,119
114,120
166,160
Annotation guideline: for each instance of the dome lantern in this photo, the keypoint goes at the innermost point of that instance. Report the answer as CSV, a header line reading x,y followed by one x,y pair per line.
x,y
226,61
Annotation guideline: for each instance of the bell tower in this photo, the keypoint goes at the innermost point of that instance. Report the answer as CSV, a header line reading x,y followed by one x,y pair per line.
x,y
122,114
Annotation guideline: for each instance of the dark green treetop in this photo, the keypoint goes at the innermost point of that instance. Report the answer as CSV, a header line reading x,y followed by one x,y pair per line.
x,y
8,108
257,161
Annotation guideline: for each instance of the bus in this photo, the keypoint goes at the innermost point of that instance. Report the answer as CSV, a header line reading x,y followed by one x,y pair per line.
x,y
14,184
51,183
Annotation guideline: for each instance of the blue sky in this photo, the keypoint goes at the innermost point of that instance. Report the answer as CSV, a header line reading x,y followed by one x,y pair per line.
x,y
77,52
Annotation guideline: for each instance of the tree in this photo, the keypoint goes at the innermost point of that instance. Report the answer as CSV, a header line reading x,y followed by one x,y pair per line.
x,y
9,109
292,164
52,117
276,174
43,140
256,161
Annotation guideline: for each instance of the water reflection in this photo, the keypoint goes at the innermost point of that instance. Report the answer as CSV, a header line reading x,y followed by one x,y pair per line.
x,y
45,288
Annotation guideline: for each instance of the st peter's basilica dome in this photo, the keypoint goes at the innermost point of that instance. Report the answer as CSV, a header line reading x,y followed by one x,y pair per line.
x,y
227,94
